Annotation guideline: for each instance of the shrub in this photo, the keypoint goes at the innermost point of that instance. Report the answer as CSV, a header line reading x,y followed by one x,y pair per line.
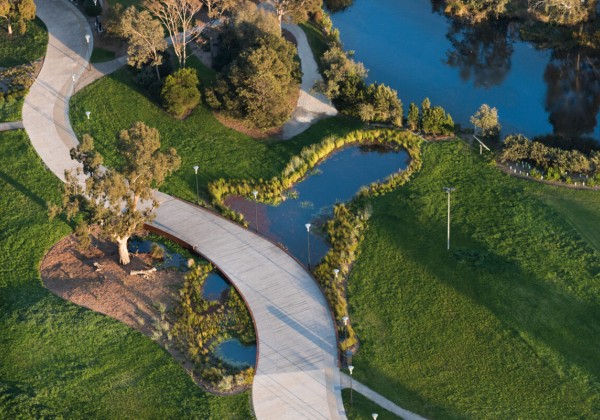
x,y
180,92
336,5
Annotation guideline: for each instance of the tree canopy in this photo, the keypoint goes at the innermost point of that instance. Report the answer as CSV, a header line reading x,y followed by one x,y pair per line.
x,y
112,198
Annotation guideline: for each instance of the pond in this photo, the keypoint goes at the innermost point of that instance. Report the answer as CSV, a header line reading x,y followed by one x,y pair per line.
x,y
234,353
336,180
414,48
171,258
214,286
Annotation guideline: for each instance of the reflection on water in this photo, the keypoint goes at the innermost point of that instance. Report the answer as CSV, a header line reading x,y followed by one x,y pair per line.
x,y
573,98
480,52
234,353
214,286
336,180
414,48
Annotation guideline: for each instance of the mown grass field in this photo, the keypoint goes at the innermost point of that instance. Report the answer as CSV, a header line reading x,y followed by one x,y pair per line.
x,y
504,325
57,359
115,103
18,49
361,408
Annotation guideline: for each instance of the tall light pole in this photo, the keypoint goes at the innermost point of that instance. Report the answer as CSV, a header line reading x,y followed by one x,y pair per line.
x,y
87,40
336,271
351,368
196,167
374,415
255,193
449,191
308,242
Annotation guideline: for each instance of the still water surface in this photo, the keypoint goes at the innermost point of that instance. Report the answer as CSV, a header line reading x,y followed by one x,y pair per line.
x,y
335,180
421,53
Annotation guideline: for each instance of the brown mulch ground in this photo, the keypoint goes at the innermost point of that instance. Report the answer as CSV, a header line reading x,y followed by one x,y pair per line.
x,y
109,288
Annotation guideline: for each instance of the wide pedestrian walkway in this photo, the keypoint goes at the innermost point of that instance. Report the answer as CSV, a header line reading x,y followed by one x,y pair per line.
x,y
297,375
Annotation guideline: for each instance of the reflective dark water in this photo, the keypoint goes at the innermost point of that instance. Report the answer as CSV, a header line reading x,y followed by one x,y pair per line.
x,y
171,259
214,286
415,49
234,353
335,180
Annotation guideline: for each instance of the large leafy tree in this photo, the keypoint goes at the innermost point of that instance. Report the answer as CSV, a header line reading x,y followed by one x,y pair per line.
x,y
119,200
17,10
178,17
258,69
145,36
296,9
216,8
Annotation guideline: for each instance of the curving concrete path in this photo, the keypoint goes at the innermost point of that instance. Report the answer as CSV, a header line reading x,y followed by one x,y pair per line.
x,y
311,105
297,375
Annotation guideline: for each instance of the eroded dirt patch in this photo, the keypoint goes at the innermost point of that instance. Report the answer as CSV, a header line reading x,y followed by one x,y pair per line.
x,y
95,280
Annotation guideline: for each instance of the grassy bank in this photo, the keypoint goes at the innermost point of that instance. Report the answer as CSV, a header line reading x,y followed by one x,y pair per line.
x,y
57,359
506,323
21,49
115,103
361,408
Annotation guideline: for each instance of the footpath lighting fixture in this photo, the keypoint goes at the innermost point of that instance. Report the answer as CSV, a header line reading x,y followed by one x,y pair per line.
x,y
345,320
374,415
336,271
88,38
255,193
308,241
448,191
87,114
196,167
351,368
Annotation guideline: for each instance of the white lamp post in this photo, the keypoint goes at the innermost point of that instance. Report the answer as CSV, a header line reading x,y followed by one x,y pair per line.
x,y
255,193
449,191
308,241
350,368
87,114
336,271
374,415
196,167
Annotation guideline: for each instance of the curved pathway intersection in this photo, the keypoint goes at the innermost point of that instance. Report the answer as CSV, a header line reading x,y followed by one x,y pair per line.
x,y
297,374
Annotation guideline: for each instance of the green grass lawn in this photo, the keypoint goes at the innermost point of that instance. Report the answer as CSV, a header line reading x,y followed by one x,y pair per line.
x,y
20,49
100,55
57,359
116,103
504,325
360,408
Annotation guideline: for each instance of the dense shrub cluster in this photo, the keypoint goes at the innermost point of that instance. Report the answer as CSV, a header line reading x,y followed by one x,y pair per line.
x,y
557,164
201,324
258,71
346,228
180,94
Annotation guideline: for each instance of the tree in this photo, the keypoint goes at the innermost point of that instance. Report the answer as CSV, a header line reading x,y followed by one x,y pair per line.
x,y
412,121
216,8
178,17
381,105
113,198
476,11
486,119
563,12
295,8
17,10
180,92
145,36
436,121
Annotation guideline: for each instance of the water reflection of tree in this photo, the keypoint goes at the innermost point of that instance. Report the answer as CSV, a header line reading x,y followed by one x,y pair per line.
x,y
573,97
481,52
